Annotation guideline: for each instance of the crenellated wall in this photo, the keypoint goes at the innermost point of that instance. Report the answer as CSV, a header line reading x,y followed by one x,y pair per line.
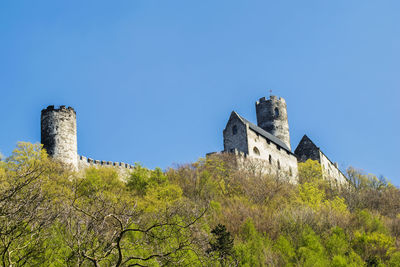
x,y
84,162
59,138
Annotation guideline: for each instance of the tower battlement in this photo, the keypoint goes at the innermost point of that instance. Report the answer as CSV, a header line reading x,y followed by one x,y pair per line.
x,y
271,98
59,108
59,138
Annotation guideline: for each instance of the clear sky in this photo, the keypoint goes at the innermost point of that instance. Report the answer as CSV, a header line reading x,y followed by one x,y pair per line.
x,y
155,81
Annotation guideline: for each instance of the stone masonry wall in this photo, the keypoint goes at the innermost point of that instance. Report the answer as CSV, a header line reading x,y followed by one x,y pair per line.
x,y
58,134
235,139
330,171
272,117
274,157
123,168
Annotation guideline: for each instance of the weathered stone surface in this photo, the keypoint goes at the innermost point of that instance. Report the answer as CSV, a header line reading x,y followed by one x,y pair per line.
x,y
59,138
267,150
257,151
308,150
235,135
58,134
272,117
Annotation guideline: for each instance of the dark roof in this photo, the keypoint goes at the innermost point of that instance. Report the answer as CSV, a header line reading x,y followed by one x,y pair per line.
x,y
265,134
306,138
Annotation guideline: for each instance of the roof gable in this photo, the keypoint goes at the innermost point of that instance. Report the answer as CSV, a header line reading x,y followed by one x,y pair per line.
x,y
306,149
262,132
233,117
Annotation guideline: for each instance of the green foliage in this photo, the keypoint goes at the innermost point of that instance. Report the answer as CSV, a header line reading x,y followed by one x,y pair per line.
x,y
311,251
51,216
222,245
373,247
311,195
394,260
309,171
254,248
142,178
286,250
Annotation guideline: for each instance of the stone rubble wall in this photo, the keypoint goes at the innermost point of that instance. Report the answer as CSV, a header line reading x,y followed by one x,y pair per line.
x,y
58,134
267,119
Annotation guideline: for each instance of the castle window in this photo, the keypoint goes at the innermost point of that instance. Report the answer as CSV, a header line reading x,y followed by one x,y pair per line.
x,y
270,159
279,165
290,171
276,112
234,129
256,151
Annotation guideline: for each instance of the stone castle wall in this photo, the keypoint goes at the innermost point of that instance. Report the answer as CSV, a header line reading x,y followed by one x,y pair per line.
x,y
84,162
59,138
258,152
330,171
272,117
235,138
274,157
58,134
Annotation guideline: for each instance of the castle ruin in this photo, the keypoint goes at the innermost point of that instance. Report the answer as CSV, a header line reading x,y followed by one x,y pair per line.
x,y
59,138
268,142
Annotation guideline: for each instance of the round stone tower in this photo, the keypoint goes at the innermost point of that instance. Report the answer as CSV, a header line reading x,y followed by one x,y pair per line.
x,y
272,117
58,134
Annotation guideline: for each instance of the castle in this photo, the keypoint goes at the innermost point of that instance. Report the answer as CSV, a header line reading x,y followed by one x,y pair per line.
x,y
58,136
268,142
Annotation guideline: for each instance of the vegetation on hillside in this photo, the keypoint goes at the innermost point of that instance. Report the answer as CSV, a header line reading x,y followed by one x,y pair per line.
x,y
207,213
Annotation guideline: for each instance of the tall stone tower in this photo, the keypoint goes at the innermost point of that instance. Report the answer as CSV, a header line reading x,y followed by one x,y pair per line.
x,y
58,134
272,117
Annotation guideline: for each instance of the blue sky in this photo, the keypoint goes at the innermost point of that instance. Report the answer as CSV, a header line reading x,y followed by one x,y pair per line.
x,y
155,81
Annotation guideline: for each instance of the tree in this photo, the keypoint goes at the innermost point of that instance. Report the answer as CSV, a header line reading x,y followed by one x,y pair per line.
x,y
309,171
25,205
222,245
102,224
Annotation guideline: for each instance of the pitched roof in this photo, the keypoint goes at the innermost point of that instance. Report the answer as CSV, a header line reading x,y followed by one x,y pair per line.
x,y
264,133
307,139
305,143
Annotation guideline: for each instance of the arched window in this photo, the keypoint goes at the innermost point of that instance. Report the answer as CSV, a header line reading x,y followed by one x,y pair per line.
x,y
270,159
276,110
234,129
256,151
279,165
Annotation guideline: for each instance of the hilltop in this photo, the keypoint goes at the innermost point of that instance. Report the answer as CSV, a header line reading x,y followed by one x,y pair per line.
x,y
208,213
